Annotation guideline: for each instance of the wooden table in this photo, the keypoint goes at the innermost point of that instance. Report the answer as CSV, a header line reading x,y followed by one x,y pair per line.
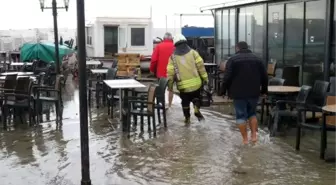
x,y
17,73
123,84
329,108
283,89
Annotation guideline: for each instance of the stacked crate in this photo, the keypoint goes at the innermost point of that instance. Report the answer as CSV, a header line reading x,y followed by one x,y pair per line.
x,y
128,64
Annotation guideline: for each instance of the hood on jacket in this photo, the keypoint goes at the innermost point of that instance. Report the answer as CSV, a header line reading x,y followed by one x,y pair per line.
x,y
182,49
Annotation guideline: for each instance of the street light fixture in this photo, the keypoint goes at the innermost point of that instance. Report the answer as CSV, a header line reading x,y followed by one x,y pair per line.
x,y
54,10
66,5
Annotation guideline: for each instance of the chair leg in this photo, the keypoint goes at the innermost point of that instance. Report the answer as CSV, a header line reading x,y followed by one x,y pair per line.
x,y
89,98
108,107
154,125
275,125
112,105
135,121
4,117
35,112
129,126
164,116
30,116
60,111
97,99
262,111
323,138
298,137
142,123
57,111
158,114
149,124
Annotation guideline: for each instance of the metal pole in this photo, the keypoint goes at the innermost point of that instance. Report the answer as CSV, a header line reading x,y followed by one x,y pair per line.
x,y
166,23
54,10
85,157
328,35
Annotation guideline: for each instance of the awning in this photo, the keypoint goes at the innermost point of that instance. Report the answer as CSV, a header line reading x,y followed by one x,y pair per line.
x,y
232,4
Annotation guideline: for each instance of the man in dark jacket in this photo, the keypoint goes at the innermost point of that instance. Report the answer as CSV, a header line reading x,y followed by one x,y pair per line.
x,y
245,80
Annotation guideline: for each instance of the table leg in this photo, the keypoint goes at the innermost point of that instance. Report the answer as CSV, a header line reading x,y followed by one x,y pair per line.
x,y
323,137
124,116
120,104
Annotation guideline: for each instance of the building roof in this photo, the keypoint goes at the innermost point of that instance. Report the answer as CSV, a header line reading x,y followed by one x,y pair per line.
x,y
231,4
197,31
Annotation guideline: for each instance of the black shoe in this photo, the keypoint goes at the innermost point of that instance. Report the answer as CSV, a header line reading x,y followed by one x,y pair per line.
x,y
199,116
187,120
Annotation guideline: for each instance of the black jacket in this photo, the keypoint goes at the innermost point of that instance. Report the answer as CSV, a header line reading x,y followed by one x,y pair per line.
x,y
245,76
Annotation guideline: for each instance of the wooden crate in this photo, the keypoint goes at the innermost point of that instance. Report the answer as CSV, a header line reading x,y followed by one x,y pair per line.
x,y
128,63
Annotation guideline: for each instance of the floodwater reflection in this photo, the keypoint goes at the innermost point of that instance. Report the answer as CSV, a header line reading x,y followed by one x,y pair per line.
x,y
207,153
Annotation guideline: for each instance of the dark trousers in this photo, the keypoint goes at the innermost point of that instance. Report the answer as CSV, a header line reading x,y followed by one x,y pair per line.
x,y
187,98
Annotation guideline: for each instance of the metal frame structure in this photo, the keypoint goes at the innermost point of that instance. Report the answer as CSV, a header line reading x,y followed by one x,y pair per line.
x,y
329,21
54,12
84,132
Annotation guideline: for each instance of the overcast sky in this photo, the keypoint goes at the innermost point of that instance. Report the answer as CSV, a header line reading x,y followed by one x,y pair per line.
x,y
25,14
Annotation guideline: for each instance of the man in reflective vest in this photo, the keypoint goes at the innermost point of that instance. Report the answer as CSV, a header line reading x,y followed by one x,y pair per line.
x,y
186,69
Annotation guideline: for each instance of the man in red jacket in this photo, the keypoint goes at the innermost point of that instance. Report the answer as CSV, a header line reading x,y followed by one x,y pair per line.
x,y
160,58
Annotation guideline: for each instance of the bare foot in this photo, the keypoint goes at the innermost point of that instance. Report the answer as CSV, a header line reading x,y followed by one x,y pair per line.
x,y
245,142
254,138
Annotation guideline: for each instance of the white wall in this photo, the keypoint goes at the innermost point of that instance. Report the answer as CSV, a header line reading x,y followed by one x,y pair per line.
x,y
125,25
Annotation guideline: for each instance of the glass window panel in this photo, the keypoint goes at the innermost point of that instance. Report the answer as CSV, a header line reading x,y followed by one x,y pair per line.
x,y
314,42
218,35
225,34
137,36
332,61
255,28
242,25
275,34
293,34
232,32
110,40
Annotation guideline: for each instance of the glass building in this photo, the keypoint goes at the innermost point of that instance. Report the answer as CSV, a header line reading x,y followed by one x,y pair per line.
x,y
295,32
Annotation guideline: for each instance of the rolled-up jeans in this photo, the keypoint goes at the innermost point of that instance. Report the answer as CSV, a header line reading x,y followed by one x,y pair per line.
x,y
245,109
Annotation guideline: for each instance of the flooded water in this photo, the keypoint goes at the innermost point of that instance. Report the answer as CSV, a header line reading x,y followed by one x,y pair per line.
x,y
204,153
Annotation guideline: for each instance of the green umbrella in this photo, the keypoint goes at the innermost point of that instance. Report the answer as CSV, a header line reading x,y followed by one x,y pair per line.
x,y
44,51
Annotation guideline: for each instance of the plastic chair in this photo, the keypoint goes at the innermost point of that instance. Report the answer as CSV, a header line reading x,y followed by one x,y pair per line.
x,y
147,108
277,113
327,125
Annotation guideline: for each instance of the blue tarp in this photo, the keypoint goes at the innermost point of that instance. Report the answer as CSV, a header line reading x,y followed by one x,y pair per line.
x,y
198,32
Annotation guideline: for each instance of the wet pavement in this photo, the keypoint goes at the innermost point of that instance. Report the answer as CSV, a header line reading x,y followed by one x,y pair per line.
x,y
207,153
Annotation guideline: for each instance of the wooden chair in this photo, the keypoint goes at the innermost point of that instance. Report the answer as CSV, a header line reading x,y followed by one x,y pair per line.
x,y
160,96
219,76
271,69
147,108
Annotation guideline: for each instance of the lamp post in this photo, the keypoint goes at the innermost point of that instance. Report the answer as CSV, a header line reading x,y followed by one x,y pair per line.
x,y
54,11
85,158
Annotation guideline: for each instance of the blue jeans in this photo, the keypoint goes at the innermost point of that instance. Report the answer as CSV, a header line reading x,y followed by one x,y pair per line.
x,y
245,109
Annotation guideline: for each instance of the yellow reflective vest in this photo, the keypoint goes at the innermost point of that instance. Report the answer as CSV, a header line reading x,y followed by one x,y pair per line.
x,y
191,70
